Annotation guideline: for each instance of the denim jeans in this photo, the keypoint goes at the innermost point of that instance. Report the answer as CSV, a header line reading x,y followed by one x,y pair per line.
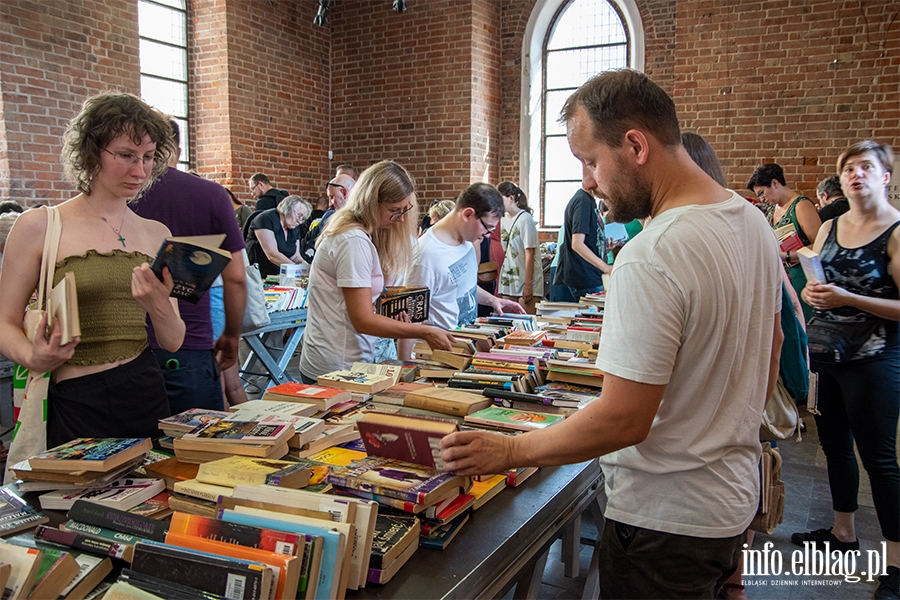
x,y
578,293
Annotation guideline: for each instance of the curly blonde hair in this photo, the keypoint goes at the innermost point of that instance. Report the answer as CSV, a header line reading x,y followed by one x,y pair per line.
x,y
385,182
104,117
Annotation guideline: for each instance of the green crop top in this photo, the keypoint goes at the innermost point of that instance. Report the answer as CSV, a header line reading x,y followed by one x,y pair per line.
x,y
113,324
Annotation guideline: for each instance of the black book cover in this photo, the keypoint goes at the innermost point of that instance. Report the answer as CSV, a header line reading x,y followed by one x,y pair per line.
x,y
219,575
391,531
118,520
414,301
194,262
163,588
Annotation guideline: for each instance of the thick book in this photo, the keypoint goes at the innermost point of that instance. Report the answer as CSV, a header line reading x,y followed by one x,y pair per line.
x,y
16,514
322,396
192,505
398,479
229,577
518,420
457,360
260,538
385,574
409,439
414,301
25,563
101,534
447,401
241,432
24,472
812,265
202,451
122,494
248,470
118,520
194,262
356,381
62,303
90,454
397,393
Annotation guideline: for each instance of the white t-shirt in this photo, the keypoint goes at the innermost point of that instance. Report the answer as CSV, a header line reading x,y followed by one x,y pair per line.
x,y
517,234
691,306
451,273
330,343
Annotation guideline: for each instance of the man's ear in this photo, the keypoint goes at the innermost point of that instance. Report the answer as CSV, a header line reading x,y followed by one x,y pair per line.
x,y
637,146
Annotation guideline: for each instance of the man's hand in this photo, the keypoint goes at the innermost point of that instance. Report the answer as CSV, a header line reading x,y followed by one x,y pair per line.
x,y
501,305
477,453
438,339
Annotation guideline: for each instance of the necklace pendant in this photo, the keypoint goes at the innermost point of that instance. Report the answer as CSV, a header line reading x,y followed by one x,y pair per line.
x,y
121,239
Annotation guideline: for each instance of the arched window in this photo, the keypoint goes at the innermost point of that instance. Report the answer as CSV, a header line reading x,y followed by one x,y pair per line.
x,y
566,42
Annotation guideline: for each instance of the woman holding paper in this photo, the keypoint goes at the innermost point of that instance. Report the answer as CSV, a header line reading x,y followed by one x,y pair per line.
x,y
105,383
365,243
859,400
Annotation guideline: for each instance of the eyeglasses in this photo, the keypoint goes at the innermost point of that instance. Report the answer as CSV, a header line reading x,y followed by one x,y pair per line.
x,y
129,159
761,194
396,214
487,229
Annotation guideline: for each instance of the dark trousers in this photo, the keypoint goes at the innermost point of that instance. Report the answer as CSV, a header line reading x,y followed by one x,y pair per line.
x,y
559,293
307,380
642,563
192,379
860,401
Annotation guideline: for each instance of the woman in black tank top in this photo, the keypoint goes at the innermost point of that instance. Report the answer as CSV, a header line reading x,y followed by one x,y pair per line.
x,y
859,400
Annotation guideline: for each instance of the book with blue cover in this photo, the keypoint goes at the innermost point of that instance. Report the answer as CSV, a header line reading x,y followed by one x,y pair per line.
x,y
90,454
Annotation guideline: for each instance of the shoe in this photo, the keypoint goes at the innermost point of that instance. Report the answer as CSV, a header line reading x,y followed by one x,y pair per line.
x,y
890,584
820,536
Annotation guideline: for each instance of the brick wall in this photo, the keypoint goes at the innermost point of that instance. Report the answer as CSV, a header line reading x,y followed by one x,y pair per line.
x,y
53,54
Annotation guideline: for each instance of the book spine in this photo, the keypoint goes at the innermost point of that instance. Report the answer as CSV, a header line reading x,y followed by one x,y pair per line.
x,y
478,384
357,483
101,532
80,541
118,520
503,364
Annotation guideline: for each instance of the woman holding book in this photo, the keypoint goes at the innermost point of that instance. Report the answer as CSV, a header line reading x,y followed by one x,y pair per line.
x,y
365,243
105,383
522,274
859,400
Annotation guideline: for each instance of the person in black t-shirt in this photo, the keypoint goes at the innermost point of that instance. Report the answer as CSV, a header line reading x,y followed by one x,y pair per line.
x,y
582,259
832,202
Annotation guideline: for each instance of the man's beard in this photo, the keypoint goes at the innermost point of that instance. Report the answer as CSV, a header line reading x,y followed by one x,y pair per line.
x,y
628,200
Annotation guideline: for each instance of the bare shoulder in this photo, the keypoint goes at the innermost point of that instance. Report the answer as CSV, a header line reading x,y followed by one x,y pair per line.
x,y
29,229
151,234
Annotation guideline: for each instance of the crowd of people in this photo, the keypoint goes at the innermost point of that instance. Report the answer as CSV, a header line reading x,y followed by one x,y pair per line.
x,y
701,286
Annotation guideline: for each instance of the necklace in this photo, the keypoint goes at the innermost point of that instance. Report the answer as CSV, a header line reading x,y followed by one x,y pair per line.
x,y
115,230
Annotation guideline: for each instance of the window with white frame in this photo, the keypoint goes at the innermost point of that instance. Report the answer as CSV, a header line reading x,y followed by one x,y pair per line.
x,y
566,43
162,28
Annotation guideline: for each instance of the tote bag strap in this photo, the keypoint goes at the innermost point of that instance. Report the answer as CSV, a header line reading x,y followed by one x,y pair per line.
x,y
48,257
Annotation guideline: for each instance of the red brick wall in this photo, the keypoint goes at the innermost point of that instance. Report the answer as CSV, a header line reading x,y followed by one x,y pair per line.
x,y
261,94
53,54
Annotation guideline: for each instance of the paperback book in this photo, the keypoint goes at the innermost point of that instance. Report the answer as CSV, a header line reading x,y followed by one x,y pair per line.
x,y
322,396
122,494
194,262
90,454
241,432
517,420
414,301
409,439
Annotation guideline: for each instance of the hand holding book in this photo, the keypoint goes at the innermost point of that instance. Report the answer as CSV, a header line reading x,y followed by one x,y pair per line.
x,y
470,453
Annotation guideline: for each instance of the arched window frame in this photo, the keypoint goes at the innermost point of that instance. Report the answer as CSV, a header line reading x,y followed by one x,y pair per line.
x,y
533,51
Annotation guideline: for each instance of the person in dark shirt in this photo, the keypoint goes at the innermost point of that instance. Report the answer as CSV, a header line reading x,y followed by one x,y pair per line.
x,y
832,202
262,191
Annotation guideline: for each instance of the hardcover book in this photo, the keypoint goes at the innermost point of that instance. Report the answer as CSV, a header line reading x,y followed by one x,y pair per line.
x,y
518,420
414,301
247,470
122,494
90,454
356,381
405,438
322,396
194,262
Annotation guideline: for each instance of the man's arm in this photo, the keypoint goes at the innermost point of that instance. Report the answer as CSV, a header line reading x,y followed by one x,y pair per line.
x,y
621,417
500,305
581,249
234,295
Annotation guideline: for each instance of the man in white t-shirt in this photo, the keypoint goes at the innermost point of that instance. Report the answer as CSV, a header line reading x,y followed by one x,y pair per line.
x,y
444,261
690,348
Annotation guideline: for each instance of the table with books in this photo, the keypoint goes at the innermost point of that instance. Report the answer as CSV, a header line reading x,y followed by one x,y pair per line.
x,y
262,351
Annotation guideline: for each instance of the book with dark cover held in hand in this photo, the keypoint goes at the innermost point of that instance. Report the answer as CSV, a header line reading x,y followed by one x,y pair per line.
x,y
194,262
414,301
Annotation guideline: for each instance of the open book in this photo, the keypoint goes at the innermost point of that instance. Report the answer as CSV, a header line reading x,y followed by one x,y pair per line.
x,y
194,261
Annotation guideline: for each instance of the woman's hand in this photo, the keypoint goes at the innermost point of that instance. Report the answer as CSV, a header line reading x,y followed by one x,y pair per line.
x,y
825,296
151,293
438,339
47,353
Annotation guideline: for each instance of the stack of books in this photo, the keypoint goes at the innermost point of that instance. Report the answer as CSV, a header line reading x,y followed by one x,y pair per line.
x,y
321,397
579,371
221,438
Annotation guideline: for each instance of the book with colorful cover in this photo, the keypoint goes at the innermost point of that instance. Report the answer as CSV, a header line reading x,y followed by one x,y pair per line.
x,y
398,479
322,396
190,419
122,494
305,428
90,454
412,300
241,432
441,537
248,470
518,420
409,439
194,262
57,568
171,471
356,381
486,489
156,507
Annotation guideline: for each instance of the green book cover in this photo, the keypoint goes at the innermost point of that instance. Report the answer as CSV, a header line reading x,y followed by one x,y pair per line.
x,y
513,419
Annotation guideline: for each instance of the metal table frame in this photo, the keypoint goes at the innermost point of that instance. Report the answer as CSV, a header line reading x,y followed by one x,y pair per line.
x,y
274,359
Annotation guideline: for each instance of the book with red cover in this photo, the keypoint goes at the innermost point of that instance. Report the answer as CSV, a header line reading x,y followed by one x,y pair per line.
x,y
409,439
322,396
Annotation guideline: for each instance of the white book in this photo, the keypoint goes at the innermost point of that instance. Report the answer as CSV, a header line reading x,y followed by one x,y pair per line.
x,y
25,564
295,409
123,494
812,265
305,428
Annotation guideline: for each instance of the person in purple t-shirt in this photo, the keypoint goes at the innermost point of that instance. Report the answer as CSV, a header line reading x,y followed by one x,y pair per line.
x,y
191,205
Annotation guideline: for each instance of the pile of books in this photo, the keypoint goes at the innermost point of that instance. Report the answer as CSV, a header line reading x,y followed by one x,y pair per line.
x,y
266,436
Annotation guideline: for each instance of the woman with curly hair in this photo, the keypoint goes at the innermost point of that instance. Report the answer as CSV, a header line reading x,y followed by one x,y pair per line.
x,y
105,383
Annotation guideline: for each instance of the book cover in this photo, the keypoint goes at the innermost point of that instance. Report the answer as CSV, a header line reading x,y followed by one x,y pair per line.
x,y
486,489
518,420
442,537
393,533
248,470
305,428
16,514
172,470
811,264
62,303
385,574
398,479
192,505
121,493
447,401
332,435
201,451
25,563
193,261
409,439
190,419
322,396
396,393
296,409
228,577
414,301
90,454
118,520
356,381
87,543
270,540
456,360
56,571
101,533
447,510
241,432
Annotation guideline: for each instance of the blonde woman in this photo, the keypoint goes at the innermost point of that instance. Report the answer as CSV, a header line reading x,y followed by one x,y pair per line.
x,y
365,243
107,383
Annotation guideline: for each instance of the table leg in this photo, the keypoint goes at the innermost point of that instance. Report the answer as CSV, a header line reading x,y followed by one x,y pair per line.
x,y
571,547
529,585
592,580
